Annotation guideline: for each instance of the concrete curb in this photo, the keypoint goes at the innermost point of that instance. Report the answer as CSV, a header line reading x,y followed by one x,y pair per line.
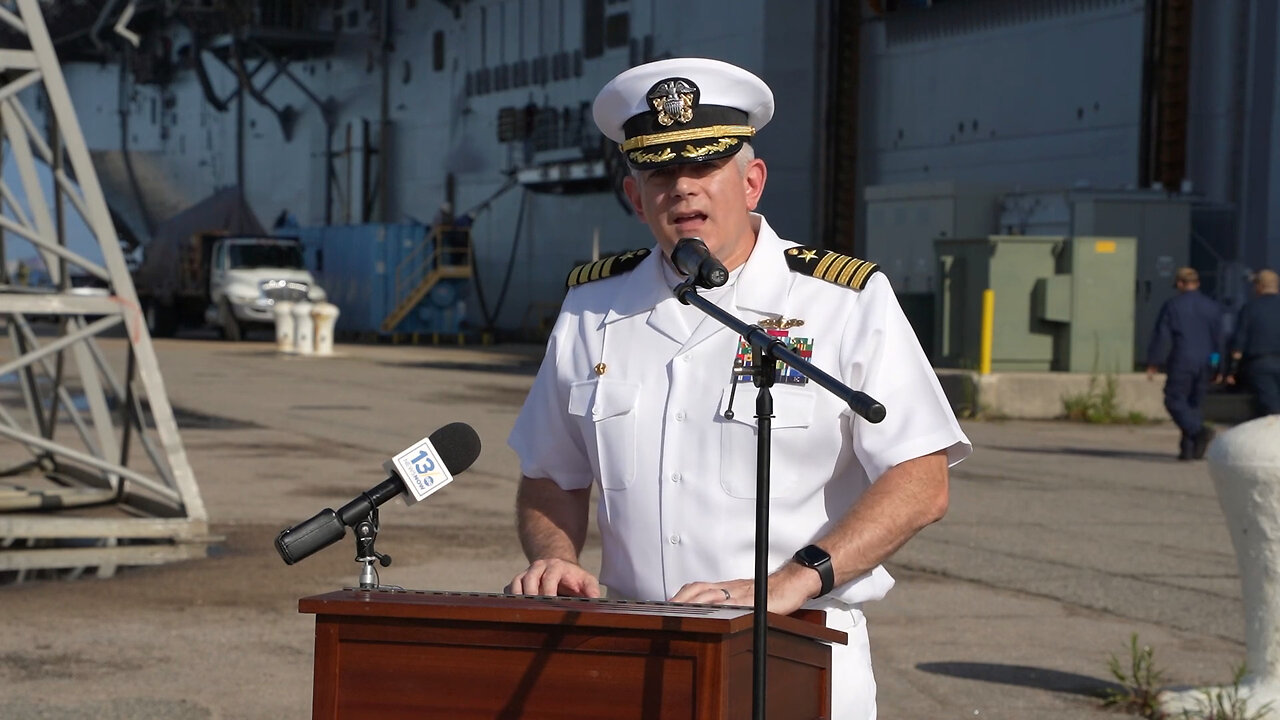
x,y
1040,395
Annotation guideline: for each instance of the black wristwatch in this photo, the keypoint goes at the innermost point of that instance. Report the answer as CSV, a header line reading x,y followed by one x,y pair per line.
x,y
812,556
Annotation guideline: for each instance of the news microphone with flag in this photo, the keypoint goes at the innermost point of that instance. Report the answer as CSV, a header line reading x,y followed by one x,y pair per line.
x,y
692,258
421,469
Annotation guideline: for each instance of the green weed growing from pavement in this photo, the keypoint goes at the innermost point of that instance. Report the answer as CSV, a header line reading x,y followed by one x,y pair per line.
x,y
1225,703
1139,691
1139,682
1099,405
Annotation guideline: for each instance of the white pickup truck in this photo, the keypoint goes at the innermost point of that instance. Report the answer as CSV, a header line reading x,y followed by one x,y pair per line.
x,y
228,282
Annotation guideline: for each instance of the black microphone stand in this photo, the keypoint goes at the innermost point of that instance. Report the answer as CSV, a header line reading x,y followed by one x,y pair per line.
x,y
766,351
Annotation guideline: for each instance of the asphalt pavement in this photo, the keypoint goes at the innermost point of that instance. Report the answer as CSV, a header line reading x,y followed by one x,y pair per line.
x,y
1062,541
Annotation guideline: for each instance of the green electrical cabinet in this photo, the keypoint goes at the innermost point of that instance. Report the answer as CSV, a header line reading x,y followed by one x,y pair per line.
x,y
1009,265
1095,313
1060,303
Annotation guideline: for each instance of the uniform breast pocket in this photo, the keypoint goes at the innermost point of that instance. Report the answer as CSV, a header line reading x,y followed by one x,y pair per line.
x,y
792,416
606,410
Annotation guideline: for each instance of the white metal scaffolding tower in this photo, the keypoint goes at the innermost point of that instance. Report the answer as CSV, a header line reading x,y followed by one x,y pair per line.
x,y
69,419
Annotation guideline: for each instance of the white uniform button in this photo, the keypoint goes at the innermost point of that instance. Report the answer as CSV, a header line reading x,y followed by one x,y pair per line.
x,y
686,357
680,416
675,477
675,539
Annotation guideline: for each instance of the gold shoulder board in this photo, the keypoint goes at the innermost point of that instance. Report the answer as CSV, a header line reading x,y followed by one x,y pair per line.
x,y
831,266
605,267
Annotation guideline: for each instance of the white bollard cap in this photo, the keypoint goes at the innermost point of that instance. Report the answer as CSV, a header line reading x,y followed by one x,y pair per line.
x,y
1244,463
283,312
1249,444
326,316
324,309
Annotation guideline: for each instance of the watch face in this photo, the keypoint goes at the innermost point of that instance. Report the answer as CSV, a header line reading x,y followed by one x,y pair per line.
x,y
812,555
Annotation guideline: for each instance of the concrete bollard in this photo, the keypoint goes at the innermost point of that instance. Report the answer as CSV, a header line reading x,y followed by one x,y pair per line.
x,y
325,316
283,310
303,329
1245,465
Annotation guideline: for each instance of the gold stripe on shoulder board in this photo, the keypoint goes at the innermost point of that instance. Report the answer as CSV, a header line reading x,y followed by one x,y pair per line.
x,y
831,266
605,267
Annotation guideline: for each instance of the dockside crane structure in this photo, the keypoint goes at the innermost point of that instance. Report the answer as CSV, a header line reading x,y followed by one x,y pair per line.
x,y
93,472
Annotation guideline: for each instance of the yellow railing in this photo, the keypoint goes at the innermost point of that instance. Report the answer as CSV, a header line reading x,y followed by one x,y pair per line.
x,y
445,253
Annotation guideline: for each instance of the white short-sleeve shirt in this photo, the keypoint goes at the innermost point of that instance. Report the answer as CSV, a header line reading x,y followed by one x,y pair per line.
x,y
632,396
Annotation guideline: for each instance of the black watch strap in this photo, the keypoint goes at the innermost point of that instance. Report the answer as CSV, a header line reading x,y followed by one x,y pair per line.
x,y
812,556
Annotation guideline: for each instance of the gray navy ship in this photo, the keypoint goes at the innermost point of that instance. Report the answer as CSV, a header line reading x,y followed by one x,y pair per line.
x,y
900,127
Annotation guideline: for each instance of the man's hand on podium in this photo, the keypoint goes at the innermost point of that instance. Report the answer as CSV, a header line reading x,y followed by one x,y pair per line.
x,y
555,577
789,588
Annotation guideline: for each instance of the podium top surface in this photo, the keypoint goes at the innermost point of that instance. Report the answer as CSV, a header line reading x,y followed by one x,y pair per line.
x,y
546,610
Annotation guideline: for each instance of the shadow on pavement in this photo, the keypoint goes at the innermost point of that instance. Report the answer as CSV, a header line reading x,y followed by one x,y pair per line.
x,y
529,368
1091,452
1024,676
189,419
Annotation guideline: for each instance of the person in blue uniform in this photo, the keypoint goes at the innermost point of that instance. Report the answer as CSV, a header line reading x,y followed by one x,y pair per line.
x,y
1255,347
1186,340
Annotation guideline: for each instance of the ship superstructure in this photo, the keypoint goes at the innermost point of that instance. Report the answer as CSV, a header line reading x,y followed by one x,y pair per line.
x,y
381,111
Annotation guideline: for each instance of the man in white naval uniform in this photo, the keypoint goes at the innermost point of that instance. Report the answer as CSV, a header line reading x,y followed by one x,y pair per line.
x,y
638,393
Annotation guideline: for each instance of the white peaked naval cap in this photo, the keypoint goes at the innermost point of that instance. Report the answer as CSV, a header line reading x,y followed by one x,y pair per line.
x,y
682,110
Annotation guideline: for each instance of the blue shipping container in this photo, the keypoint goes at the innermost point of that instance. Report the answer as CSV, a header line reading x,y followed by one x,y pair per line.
x,y
357,266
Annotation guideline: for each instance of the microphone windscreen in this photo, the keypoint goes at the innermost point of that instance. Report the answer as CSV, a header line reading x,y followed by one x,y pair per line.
x,y
688,254
458,446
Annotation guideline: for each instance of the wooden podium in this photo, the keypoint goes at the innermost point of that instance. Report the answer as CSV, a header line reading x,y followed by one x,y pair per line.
x,y
462,656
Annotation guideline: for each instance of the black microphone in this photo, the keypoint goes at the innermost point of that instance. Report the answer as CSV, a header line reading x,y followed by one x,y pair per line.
x,y
455,446
692,258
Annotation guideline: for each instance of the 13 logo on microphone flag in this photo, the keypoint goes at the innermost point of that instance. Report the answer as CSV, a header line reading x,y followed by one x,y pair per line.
x,y
421,470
